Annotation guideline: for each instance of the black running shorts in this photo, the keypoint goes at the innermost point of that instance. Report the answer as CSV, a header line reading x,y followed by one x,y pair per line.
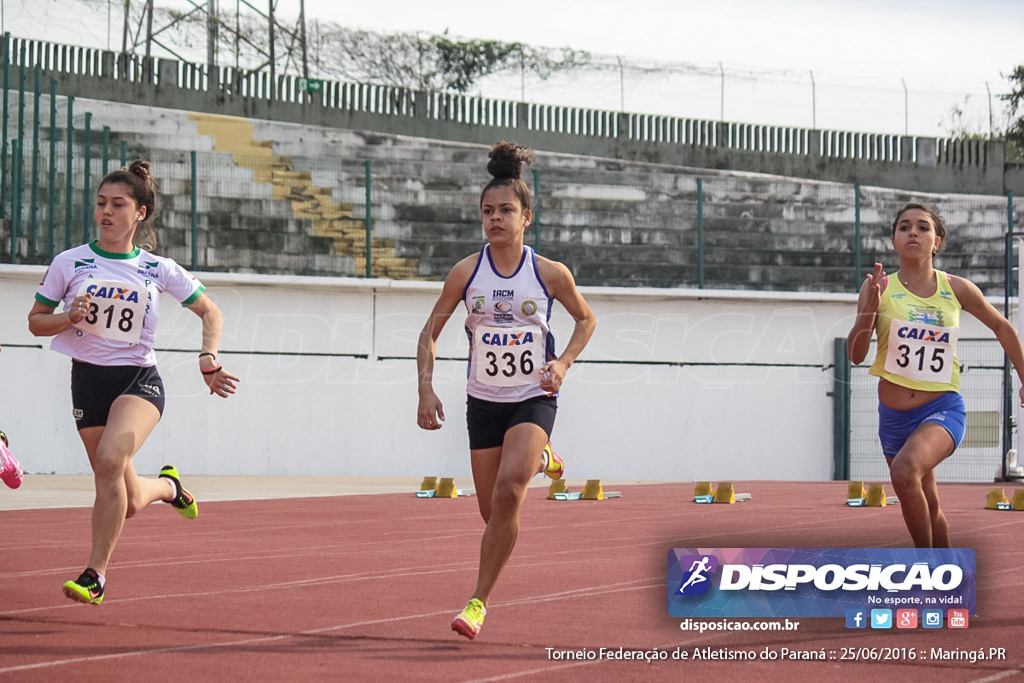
x,y
488,421
95,387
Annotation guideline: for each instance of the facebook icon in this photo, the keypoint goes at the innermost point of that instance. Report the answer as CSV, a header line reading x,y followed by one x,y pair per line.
x,y
856,618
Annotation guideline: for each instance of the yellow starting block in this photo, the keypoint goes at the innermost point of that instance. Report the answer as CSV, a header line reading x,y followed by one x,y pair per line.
x,y
443,487
592,490
874,497
997,500
703,488
704,492
557,486
725,493
446,488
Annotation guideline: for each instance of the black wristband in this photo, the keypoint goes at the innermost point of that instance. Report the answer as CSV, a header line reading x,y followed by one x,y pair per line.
x,y
207,353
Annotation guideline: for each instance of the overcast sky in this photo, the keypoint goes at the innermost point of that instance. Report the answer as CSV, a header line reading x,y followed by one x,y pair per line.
x,y
878,66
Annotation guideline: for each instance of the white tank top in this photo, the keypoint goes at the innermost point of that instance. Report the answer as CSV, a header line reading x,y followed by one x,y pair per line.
x,y
507,324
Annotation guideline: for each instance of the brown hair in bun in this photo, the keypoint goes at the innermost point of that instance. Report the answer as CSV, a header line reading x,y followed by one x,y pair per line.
x,y
142,188
506,165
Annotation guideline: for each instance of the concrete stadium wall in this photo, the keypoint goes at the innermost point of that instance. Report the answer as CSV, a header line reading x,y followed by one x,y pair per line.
x,y
612,223
916,164
675,385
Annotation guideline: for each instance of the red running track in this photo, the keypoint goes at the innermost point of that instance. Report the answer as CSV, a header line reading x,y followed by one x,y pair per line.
x,y
364,588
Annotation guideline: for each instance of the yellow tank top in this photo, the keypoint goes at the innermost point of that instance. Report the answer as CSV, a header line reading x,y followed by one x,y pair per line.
x,y
917,337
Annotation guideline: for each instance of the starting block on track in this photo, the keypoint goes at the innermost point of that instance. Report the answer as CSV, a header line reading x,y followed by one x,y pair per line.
x,y
444,487
557,486
874,497
592,490
703,492
997,500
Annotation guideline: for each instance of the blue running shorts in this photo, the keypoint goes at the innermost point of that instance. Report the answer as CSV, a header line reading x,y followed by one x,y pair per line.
x,y
896,426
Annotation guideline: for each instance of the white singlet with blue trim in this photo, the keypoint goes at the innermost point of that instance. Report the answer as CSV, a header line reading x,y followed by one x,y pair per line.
x,y
508,329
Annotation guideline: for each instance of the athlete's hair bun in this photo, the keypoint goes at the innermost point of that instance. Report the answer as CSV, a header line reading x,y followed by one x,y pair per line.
x,y
140,168
507,159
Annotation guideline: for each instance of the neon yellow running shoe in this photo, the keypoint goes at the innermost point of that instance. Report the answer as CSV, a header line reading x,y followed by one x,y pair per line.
x,y
470,620
184,502
554,468
86,588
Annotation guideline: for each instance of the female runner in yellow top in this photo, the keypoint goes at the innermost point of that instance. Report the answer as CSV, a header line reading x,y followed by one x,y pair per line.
x,y
916,317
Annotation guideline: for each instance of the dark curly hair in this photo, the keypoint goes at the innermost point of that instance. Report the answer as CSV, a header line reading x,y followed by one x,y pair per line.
x,y
138,178
506,165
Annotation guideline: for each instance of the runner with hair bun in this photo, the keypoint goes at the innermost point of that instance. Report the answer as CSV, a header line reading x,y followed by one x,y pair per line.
x,y
514,371
109,290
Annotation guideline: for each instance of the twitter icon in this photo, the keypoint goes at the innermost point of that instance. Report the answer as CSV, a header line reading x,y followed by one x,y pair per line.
x,y
881,618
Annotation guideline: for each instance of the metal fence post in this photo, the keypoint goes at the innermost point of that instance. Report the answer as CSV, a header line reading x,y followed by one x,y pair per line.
x,y
69,185
86,198
369,220
51,219
700,233
34,191
1008,393
195,203
858,266
21,130
15,197
840,411
3,154
536,211
106,151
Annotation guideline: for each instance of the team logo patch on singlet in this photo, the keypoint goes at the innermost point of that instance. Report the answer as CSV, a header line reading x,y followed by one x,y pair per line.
x,y
928,316
149,269
116,310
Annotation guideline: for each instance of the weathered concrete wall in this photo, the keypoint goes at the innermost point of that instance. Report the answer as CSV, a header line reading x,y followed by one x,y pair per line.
x,y
917,164
613,222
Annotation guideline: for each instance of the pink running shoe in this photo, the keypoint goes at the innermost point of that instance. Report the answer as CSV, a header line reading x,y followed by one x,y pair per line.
x,y
10,468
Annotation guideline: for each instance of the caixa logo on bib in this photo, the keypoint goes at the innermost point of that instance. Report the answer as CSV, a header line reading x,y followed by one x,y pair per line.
x,y
816,582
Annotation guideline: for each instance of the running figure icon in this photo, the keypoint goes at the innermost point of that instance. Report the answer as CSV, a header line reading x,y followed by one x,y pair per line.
x,y
697,573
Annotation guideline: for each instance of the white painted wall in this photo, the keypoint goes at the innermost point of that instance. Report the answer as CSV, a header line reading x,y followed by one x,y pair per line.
x,y
677,384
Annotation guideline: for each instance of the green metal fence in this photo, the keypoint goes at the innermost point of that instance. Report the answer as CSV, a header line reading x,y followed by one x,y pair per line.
x,y
979,458
414,217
